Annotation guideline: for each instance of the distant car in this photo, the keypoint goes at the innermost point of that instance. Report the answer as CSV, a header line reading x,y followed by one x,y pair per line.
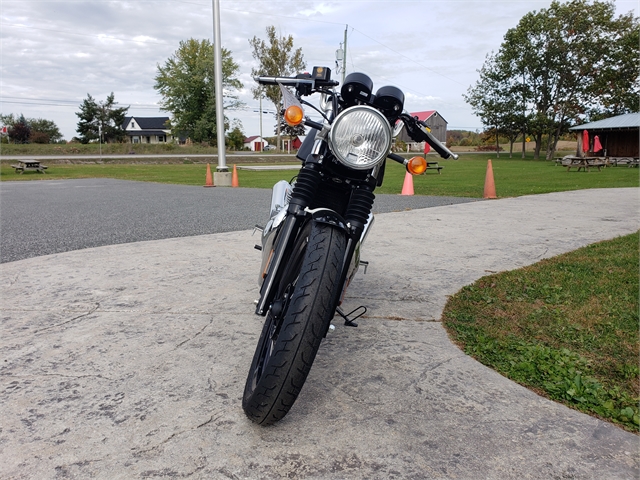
x,y
270,147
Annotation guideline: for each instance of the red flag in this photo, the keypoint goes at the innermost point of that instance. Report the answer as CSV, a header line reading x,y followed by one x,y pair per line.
x,y
585,141
427,148
597,146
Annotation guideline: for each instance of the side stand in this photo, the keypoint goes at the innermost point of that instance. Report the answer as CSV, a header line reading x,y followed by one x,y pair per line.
x,y
348,319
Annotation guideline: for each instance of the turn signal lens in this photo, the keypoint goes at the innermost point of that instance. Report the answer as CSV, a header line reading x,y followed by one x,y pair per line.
x,y
417,166
293,115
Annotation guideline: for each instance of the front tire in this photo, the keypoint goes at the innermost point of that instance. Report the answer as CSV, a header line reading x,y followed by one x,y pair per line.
x,y
296,324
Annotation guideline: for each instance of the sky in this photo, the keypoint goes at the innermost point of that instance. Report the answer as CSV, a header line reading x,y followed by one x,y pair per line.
x,y
53,53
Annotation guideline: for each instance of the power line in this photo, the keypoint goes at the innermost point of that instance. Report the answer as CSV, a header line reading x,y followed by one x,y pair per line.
x,y
64,103
408,58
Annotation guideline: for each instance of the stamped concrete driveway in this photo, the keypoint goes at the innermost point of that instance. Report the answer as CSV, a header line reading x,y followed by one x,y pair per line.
x,y
128,361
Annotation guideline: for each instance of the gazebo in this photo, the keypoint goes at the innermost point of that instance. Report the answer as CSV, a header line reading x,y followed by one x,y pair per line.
x,y
618,136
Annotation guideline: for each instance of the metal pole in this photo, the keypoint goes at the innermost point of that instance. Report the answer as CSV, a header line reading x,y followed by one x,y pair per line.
x,y
222,161
344,58
524,115
261,141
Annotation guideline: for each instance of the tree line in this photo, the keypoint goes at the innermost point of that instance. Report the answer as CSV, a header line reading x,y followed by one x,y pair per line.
x,y
568,64
30,130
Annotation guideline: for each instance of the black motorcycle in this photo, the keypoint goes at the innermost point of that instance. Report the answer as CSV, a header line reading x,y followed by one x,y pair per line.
x,y
311,244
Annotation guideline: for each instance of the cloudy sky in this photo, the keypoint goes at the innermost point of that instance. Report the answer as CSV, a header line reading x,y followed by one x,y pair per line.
x,y
53,53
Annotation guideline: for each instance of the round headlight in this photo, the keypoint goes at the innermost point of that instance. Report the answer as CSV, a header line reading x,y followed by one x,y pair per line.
x,y
360,137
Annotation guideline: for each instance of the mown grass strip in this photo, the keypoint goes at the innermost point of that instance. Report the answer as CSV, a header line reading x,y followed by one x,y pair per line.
x,y
459,178
566,327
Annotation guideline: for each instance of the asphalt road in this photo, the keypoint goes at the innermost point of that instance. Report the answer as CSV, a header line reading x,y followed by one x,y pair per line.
x,y
53,216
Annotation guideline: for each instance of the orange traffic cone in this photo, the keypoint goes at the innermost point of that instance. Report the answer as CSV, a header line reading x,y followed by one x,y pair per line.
x,y
209,179
234,178
489,184
407,187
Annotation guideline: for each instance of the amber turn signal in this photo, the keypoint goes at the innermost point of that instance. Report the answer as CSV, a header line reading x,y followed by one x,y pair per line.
x,y
293,115
417,166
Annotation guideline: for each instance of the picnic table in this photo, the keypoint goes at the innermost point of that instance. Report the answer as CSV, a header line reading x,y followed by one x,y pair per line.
x,y
24,165
433,166
628,161
584,163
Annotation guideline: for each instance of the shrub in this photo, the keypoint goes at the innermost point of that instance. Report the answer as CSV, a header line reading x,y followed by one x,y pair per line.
x,y
487,148
39,137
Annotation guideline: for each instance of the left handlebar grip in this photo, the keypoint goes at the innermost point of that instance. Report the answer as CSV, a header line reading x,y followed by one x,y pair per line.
x,y
443,151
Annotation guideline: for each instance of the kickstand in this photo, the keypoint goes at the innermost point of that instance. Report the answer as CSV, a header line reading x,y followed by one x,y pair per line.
x,y
349,322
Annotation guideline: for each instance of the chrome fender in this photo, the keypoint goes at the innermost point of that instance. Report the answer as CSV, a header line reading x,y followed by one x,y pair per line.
x,y
280,195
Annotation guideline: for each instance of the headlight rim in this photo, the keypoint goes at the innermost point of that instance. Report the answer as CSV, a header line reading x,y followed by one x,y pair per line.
x,y
383,122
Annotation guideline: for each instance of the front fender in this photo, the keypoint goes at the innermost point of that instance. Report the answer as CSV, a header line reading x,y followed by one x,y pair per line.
x,y
329,217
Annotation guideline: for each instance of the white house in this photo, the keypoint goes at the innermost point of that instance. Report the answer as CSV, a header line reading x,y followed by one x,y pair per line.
x,y
147,129
255,143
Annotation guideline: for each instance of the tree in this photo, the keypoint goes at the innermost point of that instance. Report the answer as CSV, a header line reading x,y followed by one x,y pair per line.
x,y
235,138
493,100
7,120
186,83
277,58
20,131
565,64
103,116
42,129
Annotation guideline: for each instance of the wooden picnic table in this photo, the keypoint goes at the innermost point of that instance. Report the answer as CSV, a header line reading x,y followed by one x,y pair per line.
x,y
584,163
433,166
24,165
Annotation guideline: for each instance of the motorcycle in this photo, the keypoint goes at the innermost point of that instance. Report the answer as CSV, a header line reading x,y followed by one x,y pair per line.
x,y
318,223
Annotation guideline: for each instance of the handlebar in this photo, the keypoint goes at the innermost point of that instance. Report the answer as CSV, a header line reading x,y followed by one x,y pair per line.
x,y
292,81
443,151
417,131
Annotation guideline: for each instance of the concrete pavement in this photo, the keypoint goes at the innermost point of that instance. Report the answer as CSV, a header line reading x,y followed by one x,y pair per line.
x,y
128,361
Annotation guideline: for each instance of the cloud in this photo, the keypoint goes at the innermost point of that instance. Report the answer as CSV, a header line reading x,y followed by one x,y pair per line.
x,y
62,50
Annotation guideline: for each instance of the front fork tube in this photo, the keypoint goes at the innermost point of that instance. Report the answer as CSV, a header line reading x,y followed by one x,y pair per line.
x,y
301,197
351,248
284,242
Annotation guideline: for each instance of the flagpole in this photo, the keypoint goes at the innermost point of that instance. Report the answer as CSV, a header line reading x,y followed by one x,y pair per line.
x,y
222,161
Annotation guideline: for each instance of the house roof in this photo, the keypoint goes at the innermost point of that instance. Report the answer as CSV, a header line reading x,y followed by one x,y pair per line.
x,y
629,120
144,123
251,139
423,116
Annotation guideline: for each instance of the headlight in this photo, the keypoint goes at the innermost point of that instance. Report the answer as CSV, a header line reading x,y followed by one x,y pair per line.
x,y
360,137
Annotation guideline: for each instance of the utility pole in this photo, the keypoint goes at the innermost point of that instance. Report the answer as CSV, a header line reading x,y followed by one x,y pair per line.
x,y
222,177
344,54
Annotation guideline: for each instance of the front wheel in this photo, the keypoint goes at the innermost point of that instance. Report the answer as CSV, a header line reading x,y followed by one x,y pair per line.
x,y
296,323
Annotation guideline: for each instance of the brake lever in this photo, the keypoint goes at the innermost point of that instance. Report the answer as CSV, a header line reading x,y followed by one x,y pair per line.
x,y
417,131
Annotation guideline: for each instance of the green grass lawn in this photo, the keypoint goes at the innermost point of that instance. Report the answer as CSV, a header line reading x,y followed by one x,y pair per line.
x,y
513,177
459,178
72,149
566,327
